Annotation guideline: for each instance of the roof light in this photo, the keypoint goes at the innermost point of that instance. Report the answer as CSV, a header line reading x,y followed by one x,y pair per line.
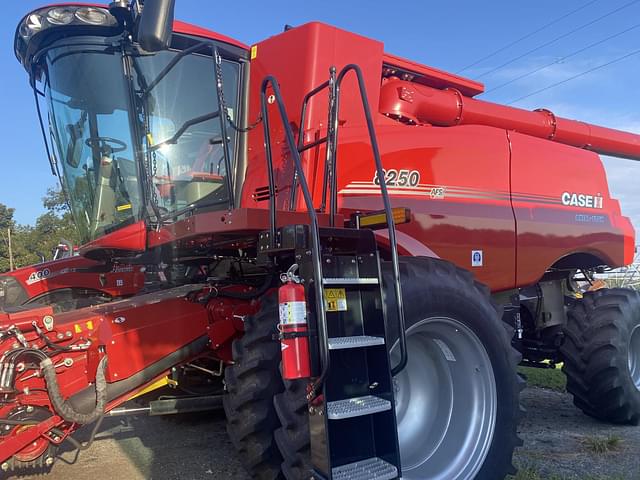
x,y
92,16
76,20
60,16
31,25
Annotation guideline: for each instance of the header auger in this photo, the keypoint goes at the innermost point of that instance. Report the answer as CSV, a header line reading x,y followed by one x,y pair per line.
x,y
397,245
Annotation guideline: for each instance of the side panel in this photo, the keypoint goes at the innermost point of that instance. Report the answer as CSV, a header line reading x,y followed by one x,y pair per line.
x,y
562,205
456,185
75,272
300,59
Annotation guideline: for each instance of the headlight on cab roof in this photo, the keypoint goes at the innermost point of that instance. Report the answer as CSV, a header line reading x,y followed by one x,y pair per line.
x,y
92,16
75,19
60,16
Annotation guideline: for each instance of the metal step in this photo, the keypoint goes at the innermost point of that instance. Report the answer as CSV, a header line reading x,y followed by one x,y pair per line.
x,y
357,407
349,281
339,343
369,469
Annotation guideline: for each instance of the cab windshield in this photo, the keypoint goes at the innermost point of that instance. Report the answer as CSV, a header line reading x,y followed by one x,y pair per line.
x,y
133,131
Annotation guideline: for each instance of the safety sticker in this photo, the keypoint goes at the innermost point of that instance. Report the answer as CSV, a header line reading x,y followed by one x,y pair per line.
x,y
79,328
335,299
476,258
293,313
446,351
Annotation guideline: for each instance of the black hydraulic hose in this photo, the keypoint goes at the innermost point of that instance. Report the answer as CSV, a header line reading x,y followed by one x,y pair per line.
x,y
77,445
62,407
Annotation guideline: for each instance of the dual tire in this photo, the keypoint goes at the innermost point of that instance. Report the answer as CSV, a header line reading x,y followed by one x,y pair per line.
x,y
457,400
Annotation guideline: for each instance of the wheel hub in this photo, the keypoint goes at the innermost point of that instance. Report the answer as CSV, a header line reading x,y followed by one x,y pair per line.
x,y
37,455
446,402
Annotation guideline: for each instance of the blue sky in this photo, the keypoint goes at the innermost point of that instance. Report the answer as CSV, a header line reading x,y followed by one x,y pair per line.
x,y
447,35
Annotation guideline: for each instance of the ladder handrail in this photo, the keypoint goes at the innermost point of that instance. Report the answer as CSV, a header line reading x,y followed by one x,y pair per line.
x,y
313,217
302,147
334,84
333,205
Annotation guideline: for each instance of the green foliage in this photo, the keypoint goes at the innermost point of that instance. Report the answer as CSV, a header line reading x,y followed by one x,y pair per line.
x,y
551,378
30,244
602,445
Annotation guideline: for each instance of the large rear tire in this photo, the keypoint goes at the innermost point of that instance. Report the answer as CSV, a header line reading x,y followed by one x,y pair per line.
x,y
252,382
458,349
601,355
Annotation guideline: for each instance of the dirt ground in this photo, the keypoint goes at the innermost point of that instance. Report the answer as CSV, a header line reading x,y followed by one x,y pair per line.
x,y
560,444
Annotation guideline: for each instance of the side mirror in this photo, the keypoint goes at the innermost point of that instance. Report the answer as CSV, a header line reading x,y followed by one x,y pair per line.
x,y
155,25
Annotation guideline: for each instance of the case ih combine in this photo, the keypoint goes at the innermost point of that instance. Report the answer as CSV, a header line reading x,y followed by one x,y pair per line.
x,y
257,189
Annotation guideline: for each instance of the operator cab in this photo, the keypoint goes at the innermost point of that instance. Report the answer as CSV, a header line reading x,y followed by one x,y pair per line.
x,y
134,135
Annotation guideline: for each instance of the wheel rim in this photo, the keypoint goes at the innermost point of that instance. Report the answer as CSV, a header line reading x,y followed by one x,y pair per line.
x,y
634,356
446,401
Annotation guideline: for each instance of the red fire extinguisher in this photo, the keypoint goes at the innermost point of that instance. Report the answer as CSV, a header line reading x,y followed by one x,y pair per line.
x,y
293,328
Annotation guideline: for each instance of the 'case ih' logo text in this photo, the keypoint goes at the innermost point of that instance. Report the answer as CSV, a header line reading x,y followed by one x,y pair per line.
x,y
582,200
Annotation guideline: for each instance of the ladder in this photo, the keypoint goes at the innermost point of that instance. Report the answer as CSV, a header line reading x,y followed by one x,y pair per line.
x,y
351,402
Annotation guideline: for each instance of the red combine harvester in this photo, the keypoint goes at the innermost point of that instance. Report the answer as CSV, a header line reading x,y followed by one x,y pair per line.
x,y
68,283
262,214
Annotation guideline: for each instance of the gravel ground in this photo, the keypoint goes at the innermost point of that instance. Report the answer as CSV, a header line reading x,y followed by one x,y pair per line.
x,y
197,447
557,438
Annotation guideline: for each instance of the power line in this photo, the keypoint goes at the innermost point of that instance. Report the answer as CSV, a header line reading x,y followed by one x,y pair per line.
x,y
528,35
573,54
546,44
549,87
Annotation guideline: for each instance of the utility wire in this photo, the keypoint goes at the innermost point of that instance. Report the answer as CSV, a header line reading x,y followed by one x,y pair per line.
x,y
553,85
528,35
571,32
573,54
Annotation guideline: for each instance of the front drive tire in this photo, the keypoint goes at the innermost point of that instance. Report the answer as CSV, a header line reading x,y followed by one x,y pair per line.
x,y
252,382
458,349
601,355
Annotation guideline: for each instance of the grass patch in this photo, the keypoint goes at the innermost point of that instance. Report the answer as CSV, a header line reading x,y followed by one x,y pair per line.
x,y
532,473
602,445
551,378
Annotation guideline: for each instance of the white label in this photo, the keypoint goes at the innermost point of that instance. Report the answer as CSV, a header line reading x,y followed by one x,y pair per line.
x,y
476,258
293,313
581,200
38,276
446,351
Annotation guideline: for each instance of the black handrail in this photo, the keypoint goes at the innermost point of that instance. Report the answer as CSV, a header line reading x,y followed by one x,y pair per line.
x,y
393,244
326,139
313,217
217,60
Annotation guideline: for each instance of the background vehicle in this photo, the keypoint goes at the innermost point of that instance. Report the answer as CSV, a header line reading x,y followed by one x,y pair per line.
x,y
160,143
68,283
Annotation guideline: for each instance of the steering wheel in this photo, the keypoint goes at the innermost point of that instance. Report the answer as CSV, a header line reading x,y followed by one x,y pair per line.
x,y
104,144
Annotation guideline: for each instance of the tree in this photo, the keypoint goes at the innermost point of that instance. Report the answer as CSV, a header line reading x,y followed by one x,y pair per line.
x,y
32,243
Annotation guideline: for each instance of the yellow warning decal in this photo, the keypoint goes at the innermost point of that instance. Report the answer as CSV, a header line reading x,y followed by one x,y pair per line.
x,y
122,208
254,52
335,299
79,328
